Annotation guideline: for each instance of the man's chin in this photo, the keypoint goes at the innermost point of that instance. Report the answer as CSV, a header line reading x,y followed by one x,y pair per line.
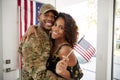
x,y
48,27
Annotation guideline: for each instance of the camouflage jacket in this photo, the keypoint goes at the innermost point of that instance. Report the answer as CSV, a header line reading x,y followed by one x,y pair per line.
x,y
35,52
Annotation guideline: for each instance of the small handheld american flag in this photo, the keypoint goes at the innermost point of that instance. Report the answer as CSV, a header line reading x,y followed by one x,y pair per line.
x,y
85,49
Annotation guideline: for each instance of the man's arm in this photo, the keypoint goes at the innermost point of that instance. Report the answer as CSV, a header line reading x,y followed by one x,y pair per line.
x,y
31,30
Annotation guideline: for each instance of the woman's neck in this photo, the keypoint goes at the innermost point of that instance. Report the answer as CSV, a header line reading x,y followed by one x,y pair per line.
x,y
60,42
57,44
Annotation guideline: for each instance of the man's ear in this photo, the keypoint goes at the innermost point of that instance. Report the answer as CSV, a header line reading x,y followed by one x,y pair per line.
x,y
39,16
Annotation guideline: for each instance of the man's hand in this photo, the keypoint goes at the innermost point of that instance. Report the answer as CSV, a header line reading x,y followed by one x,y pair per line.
x,y
30,30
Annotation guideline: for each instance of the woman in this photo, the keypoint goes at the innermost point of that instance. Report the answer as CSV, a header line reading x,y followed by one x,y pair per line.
x,y
62,61
64,35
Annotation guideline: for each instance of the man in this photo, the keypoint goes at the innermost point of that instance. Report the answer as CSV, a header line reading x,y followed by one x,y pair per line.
x,y
36,50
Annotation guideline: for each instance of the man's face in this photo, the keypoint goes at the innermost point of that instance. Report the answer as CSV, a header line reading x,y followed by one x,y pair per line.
x,y
47,20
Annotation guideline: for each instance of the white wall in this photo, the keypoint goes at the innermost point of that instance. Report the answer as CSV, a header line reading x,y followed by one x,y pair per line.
x,y
61,5
47,1
9,38
1,52
104,40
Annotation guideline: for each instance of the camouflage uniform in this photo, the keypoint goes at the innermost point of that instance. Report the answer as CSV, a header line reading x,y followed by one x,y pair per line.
x,y
51,76
35,53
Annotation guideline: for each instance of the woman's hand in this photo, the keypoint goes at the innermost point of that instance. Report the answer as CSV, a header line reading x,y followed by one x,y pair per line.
x,y
30,30
62,65
61,68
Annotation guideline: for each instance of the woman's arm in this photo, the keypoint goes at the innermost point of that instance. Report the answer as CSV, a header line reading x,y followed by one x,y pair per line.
x,y
61,67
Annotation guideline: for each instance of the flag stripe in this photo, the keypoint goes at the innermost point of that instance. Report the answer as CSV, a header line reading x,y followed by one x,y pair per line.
x,y
22,17
25,16
34,13
81,50
77,50
81,53
20,20
28,14
90,54
20,29
85,49
91,51
19,3
31,11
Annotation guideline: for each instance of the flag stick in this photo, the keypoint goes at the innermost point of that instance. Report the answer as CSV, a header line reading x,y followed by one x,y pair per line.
x,y
69,53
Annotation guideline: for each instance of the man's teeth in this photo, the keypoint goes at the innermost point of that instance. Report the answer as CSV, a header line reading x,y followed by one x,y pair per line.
x,y
48,24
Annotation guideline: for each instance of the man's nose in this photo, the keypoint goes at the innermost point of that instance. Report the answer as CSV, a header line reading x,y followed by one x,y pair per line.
x,y
50,17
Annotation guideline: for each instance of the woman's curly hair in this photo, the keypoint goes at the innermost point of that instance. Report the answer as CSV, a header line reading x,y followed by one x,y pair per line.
x,y
71,29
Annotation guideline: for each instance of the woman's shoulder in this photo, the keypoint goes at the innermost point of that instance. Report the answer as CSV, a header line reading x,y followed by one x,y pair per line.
x,y
68,51
65,49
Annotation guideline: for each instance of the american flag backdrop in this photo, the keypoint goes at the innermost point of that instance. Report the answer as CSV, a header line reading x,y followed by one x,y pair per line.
x,y
85,49
27,14
28,11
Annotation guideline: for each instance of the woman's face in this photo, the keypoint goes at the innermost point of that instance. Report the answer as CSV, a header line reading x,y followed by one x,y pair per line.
x,y
58,29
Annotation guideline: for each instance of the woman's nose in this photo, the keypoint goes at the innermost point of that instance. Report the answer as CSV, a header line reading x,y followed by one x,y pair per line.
x,y
56,28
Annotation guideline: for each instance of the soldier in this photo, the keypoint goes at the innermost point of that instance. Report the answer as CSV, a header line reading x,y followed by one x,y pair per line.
x,y
35,51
